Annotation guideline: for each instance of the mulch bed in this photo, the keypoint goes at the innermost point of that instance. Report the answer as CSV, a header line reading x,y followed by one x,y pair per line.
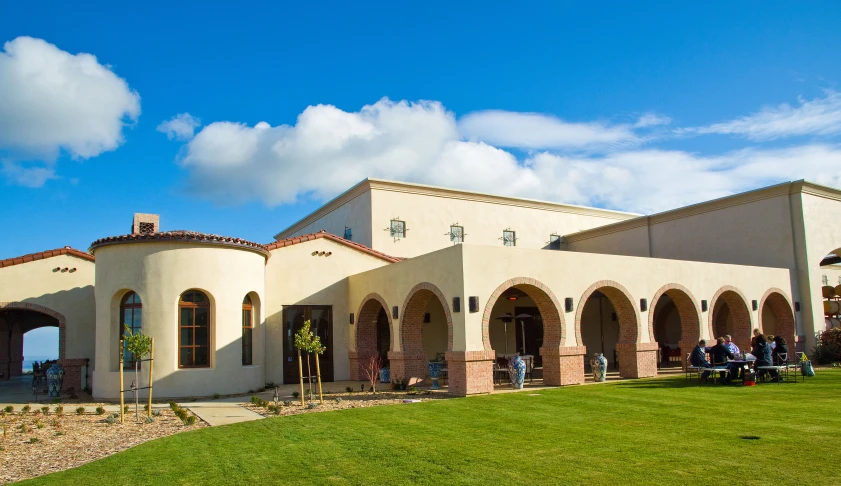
x,y
71,440
343,401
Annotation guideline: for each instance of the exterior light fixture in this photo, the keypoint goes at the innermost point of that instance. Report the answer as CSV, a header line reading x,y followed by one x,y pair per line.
x,y
797,307
643,305
351,318
473,303
394,312
456,304
754,304
568,304
703,306
427,318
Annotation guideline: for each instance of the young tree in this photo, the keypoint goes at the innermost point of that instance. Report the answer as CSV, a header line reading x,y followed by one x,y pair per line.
x,y
307,341
372,370
139,345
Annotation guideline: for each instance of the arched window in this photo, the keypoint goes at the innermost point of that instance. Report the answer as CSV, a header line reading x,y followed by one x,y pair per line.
x,y
247,330
193,330
131,316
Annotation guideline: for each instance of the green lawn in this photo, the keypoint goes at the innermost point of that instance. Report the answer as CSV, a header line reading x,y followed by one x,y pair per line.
x,y
641,431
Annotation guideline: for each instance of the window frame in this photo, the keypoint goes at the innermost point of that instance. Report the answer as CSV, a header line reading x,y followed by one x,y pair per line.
x,y
192,305
512,240
555,241
394,232
132,306
456,240
247,330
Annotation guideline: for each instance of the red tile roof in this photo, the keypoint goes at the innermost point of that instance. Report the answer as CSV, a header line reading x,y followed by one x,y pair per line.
x,y
181,235
323,234
41,255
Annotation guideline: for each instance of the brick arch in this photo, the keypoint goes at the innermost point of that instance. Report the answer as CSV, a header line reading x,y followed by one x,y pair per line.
x,y
62,321
365,336
410,360
781,307
544,299
623,303
689,312
737,304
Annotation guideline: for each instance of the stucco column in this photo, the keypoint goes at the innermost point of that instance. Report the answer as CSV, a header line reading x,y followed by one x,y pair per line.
x,y
563,365
637,360
411,366
470,372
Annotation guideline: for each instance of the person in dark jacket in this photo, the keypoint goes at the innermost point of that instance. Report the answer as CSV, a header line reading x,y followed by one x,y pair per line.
x,y
720,354
762,351
780,351
698,358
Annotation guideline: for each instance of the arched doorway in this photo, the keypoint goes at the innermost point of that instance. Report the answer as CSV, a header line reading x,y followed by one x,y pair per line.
x,y
608,323
373,335
523,317
730,315
17,319
426,333
675,322
776,317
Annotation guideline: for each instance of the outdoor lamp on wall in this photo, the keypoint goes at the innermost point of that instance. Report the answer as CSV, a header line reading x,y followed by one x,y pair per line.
x,y
394,312
703,306
797,307
473,302
351,318
643,305
568,304
427,318
754,304
456,304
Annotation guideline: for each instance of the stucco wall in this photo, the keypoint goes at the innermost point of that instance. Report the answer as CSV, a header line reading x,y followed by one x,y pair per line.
x,y
71,294
160,272
356,214
822,225
295,277
428,219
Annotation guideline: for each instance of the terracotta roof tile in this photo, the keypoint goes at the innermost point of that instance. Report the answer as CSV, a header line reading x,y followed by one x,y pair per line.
x,y
41,255
323,234
181,235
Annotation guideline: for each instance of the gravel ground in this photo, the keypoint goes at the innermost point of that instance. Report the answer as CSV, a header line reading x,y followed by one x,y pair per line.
x,y
342,401
72,440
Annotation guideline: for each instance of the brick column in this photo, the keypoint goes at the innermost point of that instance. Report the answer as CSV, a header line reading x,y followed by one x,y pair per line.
x,y
73,370
408,365
17,351
470,372
563,365
637,360
686,347
4,350
356,372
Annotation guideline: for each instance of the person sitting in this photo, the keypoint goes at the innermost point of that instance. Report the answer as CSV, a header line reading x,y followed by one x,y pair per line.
x,y
762,351
753,339
780,349
698,359
720,354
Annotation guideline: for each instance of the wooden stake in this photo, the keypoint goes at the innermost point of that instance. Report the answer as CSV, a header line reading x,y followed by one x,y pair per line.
x,y
151,361
301,376
121,381
318,374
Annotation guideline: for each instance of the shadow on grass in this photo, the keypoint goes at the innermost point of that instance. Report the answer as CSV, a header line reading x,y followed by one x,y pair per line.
x,y
664,383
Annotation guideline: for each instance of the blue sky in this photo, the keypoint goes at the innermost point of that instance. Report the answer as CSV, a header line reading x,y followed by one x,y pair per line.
x,y
639,106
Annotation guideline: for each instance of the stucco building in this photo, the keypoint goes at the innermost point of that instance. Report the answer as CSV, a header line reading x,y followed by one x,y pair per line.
x,y
411,272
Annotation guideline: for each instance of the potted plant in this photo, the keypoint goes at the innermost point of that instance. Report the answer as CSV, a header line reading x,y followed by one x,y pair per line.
x,y
434,366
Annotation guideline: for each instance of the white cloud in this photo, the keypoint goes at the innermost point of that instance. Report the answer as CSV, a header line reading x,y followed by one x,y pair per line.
x,y
820,116
652,120
18,173
328,150
52,100
180,127
539,131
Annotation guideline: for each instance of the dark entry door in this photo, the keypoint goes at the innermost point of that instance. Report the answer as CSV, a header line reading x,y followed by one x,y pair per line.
x,y
321,324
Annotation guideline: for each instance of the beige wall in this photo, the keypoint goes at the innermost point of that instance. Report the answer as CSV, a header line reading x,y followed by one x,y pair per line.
x,y
160,272
295,277
428,219
71,294
822,225
356,213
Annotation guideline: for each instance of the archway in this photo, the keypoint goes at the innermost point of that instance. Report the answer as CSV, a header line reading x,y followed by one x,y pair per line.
x,y
373,335
730,315
426,333
776,316
607,322
523,316
675,322
17,319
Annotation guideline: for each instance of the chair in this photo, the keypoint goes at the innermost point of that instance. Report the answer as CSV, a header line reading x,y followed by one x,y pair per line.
x,y
795,365
719,368
692,369
445,372
529,360
763,370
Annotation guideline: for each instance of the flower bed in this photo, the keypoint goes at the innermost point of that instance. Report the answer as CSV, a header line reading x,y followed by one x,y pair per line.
x,y
342,401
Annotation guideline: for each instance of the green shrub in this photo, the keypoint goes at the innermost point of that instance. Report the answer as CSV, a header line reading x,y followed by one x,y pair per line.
x,y
216,396
146,407
349,389
191,420
173,406
39,424
271,408
270,384
25,409
100,411
111,420
9,409
59,410
149,420
181,413
294,395
125,409
156,413
34,440
46,410
338,399
256,400
828,349
312,405
80,410
287,403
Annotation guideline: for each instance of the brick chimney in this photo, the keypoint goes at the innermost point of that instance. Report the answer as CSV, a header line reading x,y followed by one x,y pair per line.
x,y
145,223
